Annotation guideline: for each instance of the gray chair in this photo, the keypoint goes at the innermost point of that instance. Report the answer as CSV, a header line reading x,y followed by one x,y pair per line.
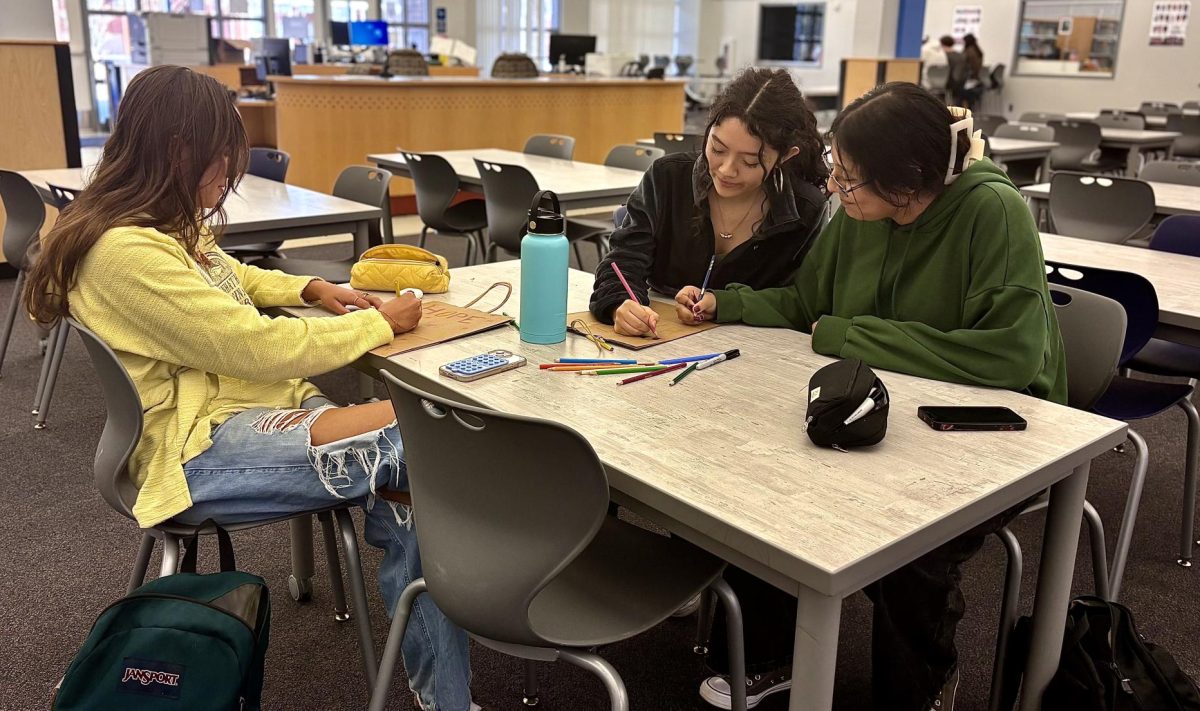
x,y
550,145
1100,208
514,66
359,183
518,549
1079,148
1191,107
1187,145
1111,118
269,164
937,76
1171,171
405,63
1024,172
988,123
678,142
633,157
436,185
1093,332
123,430
22,229
1159,108
508,191
1043,117
683,62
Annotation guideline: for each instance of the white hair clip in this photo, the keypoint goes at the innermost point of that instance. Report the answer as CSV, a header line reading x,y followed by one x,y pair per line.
x,y
974,153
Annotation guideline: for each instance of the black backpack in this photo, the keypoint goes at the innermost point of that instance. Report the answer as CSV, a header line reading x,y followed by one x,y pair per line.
x,y
1106,665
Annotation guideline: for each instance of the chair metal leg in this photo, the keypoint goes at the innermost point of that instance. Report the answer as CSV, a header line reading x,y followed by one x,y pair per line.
x,y
11,317
359,590
529,695
333,560
1008,611
578,255
1099,554
60,347
704,621
1186,538
618,696
737,647
1132,501
424,232
170,557
366,387
300,582
391,648
45,371
138,575
470,255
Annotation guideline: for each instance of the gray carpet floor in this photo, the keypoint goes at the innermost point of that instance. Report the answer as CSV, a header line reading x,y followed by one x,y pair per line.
x,y
64,556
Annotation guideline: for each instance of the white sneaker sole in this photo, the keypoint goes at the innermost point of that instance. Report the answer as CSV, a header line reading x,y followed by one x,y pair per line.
x,y
723,701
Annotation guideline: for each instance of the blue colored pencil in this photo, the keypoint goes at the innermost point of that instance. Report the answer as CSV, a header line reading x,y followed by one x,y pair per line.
x,y
707,274
688,359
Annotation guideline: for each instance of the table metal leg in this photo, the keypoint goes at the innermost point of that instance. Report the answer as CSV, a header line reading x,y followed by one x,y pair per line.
x,y
814,658
1059,543
1044,174
362,237
1133,162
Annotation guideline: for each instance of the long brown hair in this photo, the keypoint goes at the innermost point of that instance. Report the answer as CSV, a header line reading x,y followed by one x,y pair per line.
x,y
171,126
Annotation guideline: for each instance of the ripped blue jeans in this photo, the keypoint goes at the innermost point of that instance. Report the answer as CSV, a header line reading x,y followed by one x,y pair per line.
x,y
261,465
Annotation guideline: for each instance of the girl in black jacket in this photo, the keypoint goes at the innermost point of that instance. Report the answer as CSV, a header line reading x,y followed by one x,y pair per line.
x,y
753,199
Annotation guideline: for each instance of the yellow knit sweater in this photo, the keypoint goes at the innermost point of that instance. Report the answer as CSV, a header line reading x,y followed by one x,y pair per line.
x,y
199,351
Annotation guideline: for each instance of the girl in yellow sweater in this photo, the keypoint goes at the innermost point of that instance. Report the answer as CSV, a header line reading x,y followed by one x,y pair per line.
x,y
232,430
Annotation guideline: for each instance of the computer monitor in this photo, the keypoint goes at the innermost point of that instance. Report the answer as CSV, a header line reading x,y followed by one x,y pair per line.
x,y
339,34
572,48
272,55
369,32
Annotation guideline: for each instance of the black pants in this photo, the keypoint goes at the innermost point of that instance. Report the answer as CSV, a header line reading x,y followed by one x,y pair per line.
x,y
917,610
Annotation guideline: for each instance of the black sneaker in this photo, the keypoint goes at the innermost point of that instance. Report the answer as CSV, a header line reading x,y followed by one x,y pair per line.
x,y
944,701
715,689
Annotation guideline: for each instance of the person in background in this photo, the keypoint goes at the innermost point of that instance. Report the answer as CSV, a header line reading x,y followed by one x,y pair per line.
x,y
927,270
932,55
972,90
958,70
752,200
233,430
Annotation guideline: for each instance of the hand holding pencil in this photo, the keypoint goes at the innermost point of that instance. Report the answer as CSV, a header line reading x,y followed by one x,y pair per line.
x,y
693,307
632,318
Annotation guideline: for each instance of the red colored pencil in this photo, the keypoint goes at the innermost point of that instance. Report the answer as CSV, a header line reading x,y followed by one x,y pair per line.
x,y
643,376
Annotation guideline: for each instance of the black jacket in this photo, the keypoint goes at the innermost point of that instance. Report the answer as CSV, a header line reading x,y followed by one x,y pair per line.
x,y
661,244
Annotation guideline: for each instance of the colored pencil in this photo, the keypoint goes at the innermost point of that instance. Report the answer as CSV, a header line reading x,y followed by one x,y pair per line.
x,y
592,366
622,371
684,374
622,361
688,359
629,291
707,274
643,376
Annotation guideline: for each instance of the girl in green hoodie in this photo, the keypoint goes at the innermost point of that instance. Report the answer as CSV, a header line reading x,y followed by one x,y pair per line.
x,y
931,267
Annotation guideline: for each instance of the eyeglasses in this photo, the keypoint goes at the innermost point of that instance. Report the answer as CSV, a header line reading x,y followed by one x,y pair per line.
x,y
843,189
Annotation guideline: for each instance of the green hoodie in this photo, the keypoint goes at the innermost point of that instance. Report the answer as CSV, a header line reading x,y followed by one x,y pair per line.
x,y
960,295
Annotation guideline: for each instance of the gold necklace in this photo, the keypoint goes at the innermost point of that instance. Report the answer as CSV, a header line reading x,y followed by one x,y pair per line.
x,y
729,234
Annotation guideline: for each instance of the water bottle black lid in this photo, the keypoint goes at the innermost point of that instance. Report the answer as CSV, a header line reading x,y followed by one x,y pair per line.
x,y
545,221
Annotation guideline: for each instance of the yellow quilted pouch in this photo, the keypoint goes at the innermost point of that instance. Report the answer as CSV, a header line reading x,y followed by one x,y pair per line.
x,y
392,267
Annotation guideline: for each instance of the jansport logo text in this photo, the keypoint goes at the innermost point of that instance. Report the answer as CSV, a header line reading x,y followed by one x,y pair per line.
x,y
148,676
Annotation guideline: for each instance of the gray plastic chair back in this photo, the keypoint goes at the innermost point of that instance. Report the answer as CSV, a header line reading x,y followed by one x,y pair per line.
x,y
369,185
632,157
1078,144
269,163
1093,333
504,502
25,214
988,123
679,142
1025,132
435,183
122,426
938,76
508,191
1171,171
1099,208
1191,107
60,197
514,66
1158,108
1041,117
661,61
1187,145
1121,119
683,62
406,63
550,145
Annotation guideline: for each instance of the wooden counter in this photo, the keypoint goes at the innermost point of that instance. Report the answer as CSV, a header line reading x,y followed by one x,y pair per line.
x,y
258,116
38,124
228,74
329,122
339,68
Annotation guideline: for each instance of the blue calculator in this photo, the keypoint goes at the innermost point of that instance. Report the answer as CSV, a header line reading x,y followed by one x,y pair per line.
x,y
482,365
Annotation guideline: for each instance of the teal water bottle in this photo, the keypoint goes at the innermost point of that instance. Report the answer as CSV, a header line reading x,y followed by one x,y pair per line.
x,y
544,260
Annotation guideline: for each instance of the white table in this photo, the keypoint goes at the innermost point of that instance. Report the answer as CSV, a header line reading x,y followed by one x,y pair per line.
x,y
578,185
260,211
753,490
1007,150
1176,278
1135,142
1169,198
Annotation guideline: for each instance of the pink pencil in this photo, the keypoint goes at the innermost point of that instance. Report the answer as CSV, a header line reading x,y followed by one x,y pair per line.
x,y
629,291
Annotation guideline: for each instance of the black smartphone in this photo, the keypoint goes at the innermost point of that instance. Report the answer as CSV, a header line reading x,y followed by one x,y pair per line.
x,y
948,419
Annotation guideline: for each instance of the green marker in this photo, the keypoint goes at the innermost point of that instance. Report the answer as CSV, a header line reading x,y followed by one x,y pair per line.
x,y
621,371
684,374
